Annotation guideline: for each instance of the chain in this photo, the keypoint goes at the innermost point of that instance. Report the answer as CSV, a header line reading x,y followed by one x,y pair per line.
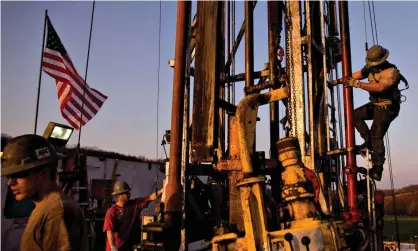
x,y
289,69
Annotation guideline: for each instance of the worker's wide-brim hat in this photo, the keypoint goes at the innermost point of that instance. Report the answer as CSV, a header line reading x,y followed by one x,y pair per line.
x,y
376,55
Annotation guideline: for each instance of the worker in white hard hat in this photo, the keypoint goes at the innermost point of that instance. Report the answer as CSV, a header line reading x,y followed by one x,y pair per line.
x,y
122,221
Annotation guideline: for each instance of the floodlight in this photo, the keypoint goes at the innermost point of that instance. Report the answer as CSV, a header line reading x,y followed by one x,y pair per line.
x,y
58,134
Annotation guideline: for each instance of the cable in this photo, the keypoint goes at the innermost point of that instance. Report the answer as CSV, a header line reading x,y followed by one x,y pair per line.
x,y
393,189
365,26
158,96
370,14
375,24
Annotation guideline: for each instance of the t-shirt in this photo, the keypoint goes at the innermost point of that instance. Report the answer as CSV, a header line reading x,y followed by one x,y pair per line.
x,y
390,73
392,77
125,223
57,224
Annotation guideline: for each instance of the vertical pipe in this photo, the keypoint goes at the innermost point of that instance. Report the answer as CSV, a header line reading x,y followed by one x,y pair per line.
x,y
185,144
173,191
222,90
416,242
333,17
85,77
274,25
249,44
40,73
233,59
249,49
351,167
173,205
324,72
229,69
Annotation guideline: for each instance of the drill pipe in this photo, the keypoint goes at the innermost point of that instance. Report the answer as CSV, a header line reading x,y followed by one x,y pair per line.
x,y
249,44
173,191
351,168
275,26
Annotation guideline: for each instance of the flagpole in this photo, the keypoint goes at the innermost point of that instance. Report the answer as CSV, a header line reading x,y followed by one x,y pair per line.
x,y
85,78
40,73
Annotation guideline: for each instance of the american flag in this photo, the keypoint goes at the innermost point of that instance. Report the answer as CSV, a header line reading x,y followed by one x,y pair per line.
x,y
72,90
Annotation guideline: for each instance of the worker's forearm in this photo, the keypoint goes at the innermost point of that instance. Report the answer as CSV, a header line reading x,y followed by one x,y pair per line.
x,y
110,238
357,75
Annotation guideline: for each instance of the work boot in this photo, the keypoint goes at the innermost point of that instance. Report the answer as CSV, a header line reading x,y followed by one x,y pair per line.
x,y
376,172
362,170
364,147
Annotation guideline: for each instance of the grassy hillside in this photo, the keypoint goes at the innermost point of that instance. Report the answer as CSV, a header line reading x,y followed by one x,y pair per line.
x,y
408,227
406,201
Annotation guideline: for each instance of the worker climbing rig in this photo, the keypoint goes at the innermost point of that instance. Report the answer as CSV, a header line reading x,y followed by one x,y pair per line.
x,y
313,199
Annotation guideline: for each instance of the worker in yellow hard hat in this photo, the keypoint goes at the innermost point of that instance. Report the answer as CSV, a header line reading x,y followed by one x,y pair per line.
x,y
122,221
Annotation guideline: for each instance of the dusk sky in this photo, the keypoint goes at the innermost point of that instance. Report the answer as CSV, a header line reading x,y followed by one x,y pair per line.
x,y
124,63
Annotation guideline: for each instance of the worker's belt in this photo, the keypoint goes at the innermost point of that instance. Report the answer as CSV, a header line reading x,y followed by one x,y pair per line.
x,y
382,103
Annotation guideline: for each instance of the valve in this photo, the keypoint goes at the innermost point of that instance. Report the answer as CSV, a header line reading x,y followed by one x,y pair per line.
x,y
306,241
289,237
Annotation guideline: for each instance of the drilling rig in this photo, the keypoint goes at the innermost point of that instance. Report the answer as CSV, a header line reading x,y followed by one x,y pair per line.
x,y
308,194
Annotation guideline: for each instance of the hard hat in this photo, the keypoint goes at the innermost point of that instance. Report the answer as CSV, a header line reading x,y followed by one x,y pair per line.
x,y
121,187
376,55
26,152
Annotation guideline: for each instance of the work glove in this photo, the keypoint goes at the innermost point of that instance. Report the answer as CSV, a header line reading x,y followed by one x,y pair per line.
x,y
338,81
352,82
114,248
154,196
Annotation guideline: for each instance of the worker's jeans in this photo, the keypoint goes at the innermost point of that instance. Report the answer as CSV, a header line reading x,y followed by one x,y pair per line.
x,y
382,117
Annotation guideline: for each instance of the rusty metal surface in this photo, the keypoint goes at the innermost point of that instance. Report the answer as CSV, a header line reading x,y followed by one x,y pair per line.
x,y
254,213
208,66
310,83
246,122
294,193
229,165
295,71
246,115
258,88
235,210
351,169
241,76
173,189
185,140
222,90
